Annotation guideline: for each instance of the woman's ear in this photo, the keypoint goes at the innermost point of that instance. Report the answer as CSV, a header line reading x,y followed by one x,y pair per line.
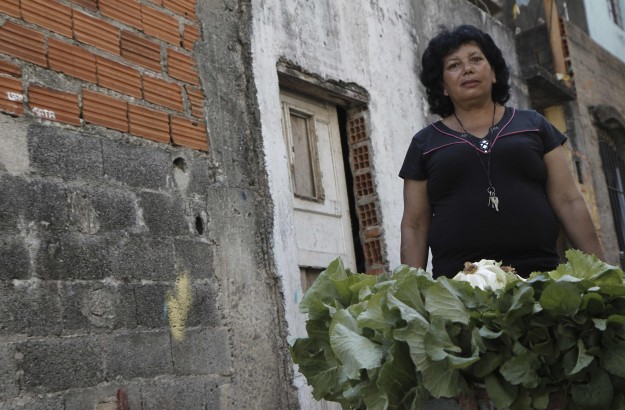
x,y
494,77
445,93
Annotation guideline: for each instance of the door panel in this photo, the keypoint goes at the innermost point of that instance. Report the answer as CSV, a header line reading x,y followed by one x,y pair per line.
x,y
320,202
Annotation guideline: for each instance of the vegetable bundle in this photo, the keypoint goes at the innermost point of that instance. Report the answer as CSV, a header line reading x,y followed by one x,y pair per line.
x,y
397,340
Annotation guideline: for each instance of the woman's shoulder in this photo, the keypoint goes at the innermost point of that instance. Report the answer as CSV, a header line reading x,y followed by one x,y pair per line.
x,y
527,118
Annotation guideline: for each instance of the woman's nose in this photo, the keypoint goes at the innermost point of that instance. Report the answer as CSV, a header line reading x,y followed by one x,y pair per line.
x,y
467,68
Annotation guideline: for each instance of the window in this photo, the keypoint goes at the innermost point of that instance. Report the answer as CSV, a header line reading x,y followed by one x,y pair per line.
x,y
614,8
304,164
614,170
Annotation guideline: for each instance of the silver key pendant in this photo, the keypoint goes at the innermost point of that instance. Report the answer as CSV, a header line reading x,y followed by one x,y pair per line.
x,y
493,201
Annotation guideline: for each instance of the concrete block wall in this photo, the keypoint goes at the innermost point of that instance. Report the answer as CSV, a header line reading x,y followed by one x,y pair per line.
x,y
133,215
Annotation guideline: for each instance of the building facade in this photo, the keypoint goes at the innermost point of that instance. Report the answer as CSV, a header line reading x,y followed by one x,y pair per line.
x,y
176,173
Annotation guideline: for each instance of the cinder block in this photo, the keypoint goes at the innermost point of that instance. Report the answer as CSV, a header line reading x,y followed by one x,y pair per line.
x,y
57,364
200,176
11,202
97,307
203,310
146,354
30,308
194,256
49,214
48,402
164,214
94,210
151,305
63,153
143,258
202,351
73,256
104,396
8,376
175,394
140,166
14,258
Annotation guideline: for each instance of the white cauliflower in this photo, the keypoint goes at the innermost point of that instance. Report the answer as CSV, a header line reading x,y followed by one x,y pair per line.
x,y
485,274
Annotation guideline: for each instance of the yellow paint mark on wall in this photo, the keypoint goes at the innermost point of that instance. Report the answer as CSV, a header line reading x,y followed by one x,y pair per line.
x,y
178,305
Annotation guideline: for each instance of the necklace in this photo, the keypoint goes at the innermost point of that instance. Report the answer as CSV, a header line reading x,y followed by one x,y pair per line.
x,y
493,200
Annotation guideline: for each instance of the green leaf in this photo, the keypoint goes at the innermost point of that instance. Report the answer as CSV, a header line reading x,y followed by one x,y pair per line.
x,y
438,344
596,393
443,300
409,294
618,319
377,316
613,358
593,303
397,376
353,350
488,363
584,266
561,298
521,369
407,312
441,380
501,393
414,336
583,359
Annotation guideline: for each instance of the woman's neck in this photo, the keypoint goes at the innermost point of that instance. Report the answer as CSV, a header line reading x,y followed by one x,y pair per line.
x,y
474,120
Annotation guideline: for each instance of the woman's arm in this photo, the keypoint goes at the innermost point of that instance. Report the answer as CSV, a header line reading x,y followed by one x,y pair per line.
x,y
569,205
415,224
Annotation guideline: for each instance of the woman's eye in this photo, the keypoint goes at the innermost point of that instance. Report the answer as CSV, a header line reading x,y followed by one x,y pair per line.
x,y
476,59
453,66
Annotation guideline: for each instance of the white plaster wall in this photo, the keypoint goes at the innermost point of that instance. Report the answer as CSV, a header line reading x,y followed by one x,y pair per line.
x,y
603,30
376,45
351,41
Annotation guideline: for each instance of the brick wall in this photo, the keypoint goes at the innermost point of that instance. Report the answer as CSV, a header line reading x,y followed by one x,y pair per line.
x,y
366,196
126,65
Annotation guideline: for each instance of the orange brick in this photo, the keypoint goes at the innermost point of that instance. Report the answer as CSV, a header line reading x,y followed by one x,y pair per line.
x,y
118,77
189,36
141,51
190,134
95,32
49,14
162,92
71,60
197,101
54,105
148,123
126,11
89,4
183,7
103,110
182,67
160,25
11,69
23,43
10,7
11,97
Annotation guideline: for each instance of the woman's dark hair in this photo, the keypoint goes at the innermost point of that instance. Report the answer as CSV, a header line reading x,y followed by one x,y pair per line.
x,y
448,41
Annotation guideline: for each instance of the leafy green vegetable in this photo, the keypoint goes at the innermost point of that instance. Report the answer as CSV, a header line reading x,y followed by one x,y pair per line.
x,y
396,340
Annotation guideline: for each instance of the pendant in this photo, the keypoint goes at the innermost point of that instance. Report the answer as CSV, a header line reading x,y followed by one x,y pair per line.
x,y
493,201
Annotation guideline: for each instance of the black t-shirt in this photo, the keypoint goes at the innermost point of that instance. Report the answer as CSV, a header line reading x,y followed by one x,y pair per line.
x,y
464,228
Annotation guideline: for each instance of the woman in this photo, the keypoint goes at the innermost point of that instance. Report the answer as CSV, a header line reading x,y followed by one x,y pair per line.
x,y
487,181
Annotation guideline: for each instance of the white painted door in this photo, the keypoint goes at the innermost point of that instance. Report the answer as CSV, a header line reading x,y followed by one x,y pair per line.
x,y
320,202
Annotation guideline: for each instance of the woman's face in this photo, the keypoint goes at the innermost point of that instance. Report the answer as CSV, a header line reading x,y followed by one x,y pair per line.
x,y
467,74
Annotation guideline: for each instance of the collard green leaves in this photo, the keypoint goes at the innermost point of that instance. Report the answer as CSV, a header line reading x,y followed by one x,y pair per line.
x,y
396,340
